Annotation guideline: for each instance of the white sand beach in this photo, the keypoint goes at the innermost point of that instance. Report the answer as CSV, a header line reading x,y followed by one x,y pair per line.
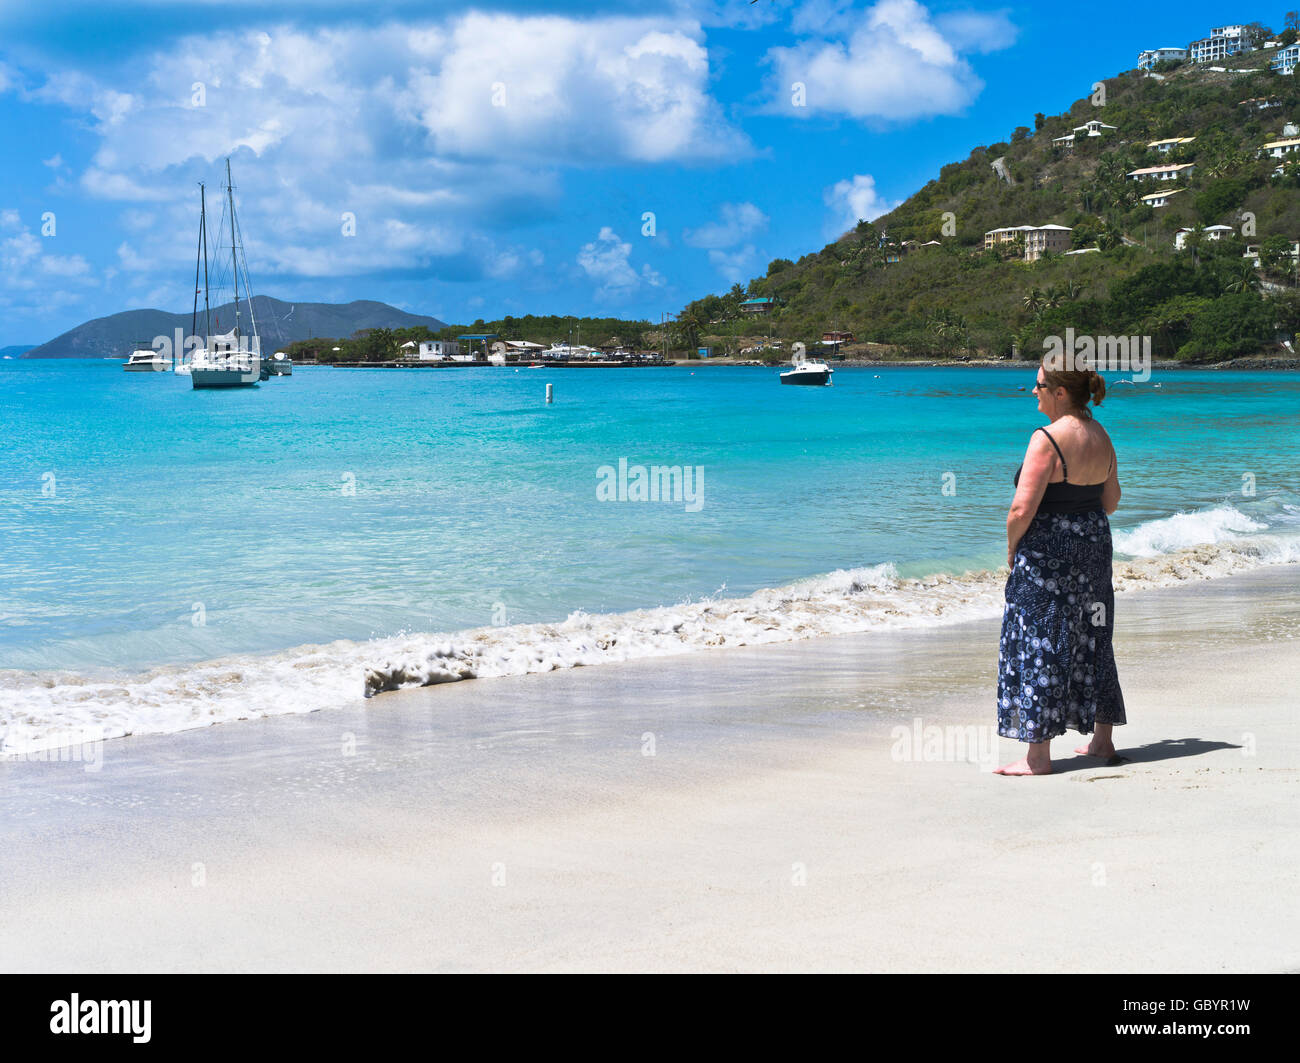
x,y
519,824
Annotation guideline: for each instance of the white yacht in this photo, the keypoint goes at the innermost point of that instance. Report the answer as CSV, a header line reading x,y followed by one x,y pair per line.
x,y
224,363
232,360
147,360
811,374
279,364
564,352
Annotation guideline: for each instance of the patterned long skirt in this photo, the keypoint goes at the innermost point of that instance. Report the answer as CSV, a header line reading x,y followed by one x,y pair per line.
x,y
1056,663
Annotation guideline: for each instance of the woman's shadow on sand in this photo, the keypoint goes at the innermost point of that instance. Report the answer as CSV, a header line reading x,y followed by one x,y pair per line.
x,y
1165,749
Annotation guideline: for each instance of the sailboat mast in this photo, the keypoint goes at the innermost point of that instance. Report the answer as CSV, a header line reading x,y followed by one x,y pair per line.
x,y
234,253
194,317
203,224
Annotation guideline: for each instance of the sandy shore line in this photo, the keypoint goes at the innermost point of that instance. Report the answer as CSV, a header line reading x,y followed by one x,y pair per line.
x,y
781,822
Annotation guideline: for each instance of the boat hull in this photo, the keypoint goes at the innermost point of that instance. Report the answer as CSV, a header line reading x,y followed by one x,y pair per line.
x,y
280,368
813,380
213,377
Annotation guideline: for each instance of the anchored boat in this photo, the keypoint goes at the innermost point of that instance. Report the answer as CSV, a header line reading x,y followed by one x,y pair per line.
x,y
813,374
232,360
145,359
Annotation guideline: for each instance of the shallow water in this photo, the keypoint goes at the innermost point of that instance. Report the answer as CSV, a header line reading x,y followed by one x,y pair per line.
x,y
173,554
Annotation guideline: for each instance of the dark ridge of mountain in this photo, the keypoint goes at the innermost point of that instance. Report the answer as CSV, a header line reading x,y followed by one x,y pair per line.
x,y
16,351
278,323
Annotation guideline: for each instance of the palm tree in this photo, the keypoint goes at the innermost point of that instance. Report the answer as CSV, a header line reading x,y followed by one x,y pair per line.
x,y
1216,168
1242,278
689,326
1071,291
1033,301
949,329
1108,169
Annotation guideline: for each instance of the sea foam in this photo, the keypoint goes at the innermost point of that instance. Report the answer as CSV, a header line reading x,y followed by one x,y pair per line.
x,y
38,710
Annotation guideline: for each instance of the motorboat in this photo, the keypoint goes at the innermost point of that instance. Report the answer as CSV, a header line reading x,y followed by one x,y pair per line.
x,y
147,360
806,373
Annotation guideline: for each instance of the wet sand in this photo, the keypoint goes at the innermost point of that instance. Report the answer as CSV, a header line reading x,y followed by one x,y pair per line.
x,y
741,809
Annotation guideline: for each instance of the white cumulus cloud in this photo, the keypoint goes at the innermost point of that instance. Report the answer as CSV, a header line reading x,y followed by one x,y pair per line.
x,y
892,61
434,134
29,265
556,88
852,200
736,222
736,265
607,261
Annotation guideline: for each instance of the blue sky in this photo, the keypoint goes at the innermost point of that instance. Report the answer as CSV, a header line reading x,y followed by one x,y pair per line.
x,y
502,158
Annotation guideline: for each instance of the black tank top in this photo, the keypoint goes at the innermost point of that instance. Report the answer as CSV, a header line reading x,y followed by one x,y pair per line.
x,y
1065,497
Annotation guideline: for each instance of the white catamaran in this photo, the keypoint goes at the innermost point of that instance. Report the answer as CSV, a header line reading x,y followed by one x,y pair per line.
x,y
234,359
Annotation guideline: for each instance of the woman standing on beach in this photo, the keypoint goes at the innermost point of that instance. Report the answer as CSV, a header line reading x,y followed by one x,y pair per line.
x,y
1056,664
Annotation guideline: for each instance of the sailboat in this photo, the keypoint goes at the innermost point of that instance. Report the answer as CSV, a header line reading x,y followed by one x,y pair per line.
x,y
234,359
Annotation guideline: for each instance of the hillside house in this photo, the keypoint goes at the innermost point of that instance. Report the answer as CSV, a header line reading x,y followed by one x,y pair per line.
x,y
1210,232
1222,42
1038,239
1160,199
1094,128
1252,253
1167,172
1149,58
1276,149
1286,59
1168,144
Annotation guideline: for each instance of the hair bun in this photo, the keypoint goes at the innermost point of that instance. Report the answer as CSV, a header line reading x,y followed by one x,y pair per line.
x,y
1097,386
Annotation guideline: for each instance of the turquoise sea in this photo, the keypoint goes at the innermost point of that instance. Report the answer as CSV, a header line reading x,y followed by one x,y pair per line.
x,y
145,524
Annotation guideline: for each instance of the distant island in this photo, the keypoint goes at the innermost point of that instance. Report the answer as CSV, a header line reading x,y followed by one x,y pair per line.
x,y
279,324
16,351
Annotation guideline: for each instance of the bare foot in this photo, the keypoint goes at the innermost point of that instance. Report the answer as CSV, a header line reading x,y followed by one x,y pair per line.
x,y
1023,767
1103,751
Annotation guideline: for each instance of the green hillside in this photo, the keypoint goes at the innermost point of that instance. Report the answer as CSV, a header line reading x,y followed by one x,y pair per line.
x,y
956,299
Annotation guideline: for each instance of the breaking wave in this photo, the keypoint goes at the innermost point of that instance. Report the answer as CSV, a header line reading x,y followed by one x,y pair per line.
x,y
41,710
